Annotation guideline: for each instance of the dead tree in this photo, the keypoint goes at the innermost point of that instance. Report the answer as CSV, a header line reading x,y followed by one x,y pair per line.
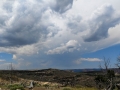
x,y
106,64
107,78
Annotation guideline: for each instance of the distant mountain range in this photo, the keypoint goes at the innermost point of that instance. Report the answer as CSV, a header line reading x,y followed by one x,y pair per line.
x,y
92,70
83,70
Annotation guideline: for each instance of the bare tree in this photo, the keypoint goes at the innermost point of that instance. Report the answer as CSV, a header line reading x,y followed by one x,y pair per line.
x,y
106,64
107,78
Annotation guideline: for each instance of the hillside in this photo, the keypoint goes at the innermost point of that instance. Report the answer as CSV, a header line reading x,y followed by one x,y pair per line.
x,y
63,77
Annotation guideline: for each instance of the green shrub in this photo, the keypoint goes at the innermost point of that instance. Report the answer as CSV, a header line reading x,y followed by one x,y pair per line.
x,y
15,86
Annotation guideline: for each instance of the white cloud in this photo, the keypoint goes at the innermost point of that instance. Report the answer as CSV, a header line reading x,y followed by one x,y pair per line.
x,y
87,59
68,47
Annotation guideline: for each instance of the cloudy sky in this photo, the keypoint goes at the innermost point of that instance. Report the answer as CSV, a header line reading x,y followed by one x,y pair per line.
x,y
63,34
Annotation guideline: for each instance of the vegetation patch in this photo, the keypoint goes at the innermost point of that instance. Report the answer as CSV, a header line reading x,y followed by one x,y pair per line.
x,y
16,86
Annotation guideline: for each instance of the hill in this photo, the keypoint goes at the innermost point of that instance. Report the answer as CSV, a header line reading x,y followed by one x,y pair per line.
x,y
63,77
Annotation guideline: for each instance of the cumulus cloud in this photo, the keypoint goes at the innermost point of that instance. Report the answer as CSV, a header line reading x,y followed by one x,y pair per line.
x,y
87,59
68,47
101,20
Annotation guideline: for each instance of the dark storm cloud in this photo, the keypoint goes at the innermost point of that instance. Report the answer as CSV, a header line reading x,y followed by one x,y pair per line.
x,y
62,6
102,19
21,23
23,30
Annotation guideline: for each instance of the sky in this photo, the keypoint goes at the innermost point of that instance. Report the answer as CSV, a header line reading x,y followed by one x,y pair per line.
x,y
61,34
